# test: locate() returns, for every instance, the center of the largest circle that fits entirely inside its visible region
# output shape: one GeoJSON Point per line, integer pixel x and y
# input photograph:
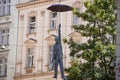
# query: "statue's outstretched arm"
{"type": "Point", "coordinates": [59, 33]}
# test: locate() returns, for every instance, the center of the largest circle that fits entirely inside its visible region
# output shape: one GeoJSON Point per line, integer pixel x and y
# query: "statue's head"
{"type": "Point", "coordinates": [56, 40]}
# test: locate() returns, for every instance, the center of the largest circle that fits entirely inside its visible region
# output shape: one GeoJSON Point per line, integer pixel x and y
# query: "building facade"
{"type": "Point", "coordinates": [36, 26]}
{"type": "Point", "coordinates": [8, 28]}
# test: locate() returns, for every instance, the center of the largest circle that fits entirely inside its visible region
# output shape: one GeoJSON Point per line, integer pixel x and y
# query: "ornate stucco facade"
{"type": "Point", "coordinates": [8, 38]}
{"type": "Point", "coordinates": [36, 26]}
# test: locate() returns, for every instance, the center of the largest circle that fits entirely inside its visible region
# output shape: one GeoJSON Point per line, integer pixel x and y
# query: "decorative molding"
{"type": "Point", "coordinates": [52, 30]}
{"type": "Point", "coordinates": [32, 13]}
{"type": "Point", "coordinates": [40, 59]}
{"type": "Point", "coordinates": [77, 4]}
{"type": "Point", "coordinates": [42, 13]}
{"type": "Point", "coordinates": [75, 36]}
{"type": "Point", "coordinates": [19, 63]}
{"type": "Point", "coordinates": [5, 24]}
{"type": "Point", "coordinates": [30, 40]}
{"type": "Point", "coordinates": [35, 3]}
{"type": "Point", "coordinates": [29, 70]}
{"type": "Point", "coordinates": [32, 34]}
{"type": "Point", "coordinates": [50, 39]}
{"type": "Point", "coordinates": [34, 75]}
{"type": "Point", "coordinates": [64, 56]}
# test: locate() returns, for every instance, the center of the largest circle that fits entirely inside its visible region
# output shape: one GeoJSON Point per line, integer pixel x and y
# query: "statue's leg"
{"type": "Point", "coordinates": [56, 68]}
{"type": "Point", "coordinates": [61, 68]}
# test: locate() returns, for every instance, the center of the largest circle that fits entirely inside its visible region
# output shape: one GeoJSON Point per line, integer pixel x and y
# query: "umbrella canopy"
{"type": "Point", "coordinates": [59, 8]}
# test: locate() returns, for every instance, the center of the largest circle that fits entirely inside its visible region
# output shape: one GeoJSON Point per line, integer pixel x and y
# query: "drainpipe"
{"type": "Point", "coordinates": [16, 40]}
{"type": "Point", "coordinates": [118, 42]}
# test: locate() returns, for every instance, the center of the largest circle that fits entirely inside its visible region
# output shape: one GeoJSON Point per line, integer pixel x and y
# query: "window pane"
{"type": "Point", "coordinates": [0, 10]}
{"type": "Point", "coordinates": [54, 15]}
{"type": "Point", "coordinates": [3, 31]}
{"type": "Point", "coordinates": [53, 21]}
{"type": "Point", "coordinates": [0, 2]}
{"type": "Point", "coordinates": [9, 1]}
{"type": "Point", "coordinates": [1, 61]}
{"type": "Point", "coordinates": [7, 39]}
{"type": "Point", "coordinates": [0, 70]}
{"type": "Point", "coordinates": [3, 37]}
{"type": "Point", "coordinates": [3, 67]}
{"type": "Point", "coordinates": [75, 20]}
{"type": "Point", "coordinates": [4, 1]}
{"type": "Point", "coordinates": [32, 25]}
{"type": "Point", "coordinates": [50, 53]}
{"type": "Point", "coordinates": [29, 61]}
{"type": "Point", "coordinates": [50, 56]}
{"type": "Point", "coordinates": [30, 58]}
{"type": "Point", "coordinates": [7, 30]}
{"type": "Point", "coordinates": [5, 70]}
{"type": "Point", "coordinates": [3, 10]}
{"type": "Point", "coordinates": [32, 19]}
{"type": "Point", "coordinates": [8, 9]}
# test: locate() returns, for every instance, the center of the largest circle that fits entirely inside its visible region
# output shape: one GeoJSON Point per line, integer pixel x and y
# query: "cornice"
{"type": "Point", "coordinates": [35, 3]}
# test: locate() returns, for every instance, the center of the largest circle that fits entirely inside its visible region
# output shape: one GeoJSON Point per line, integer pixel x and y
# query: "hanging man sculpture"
{"type": "Point", "coordinates": [58, 55]}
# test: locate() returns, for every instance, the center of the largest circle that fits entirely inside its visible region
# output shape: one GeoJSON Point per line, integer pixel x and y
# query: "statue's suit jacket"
{"type": "Point", "coordinates": [57, 52]}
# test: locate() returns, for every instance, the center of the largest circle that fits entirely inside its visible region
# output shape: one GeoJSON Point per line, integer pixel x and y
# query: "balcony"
{"type": "Point", "coordinates": [2, 77]}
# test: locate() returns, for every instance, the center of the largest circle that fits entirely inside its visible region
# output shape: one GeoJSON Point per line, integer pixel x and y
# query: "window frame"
{"type": "Point", "coordinates": [30, 56]}
{"type": "Point", "coordinates": [5, 7]}
{"type": "Point", "coordinates": [3, 67]}
{"type": "Point", "coordinates": [76, 19]}
{"type": "Point", "coordinates": [50, 55]}
{"type": "Point", "coordinates": [5, 36]}
{"type": "Point", "coordinates": [53, 20]}
{"type": "Point", "coordinates": [32, 24]}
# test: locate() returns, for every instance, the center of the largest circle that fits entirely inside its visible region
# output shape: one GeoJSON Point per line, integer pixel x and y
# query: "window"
{"type": "Point", "coordinates": [0, 10]}
{"type": "Point", "coordinates": [3, 67]}
{"type": "Point", "coordinates": [76, 18]}
{"type": "Point", "coordinates": [5, 7]}
{"type": "Point", "coordinates": [53, 21]}
{"type": "Point", "coordinates": [32, 25]}
{"type": "Point", "coordinates": [50, 55]}
{"type": "Point", "coordinates": [4, 1]}
{"type": "Point", "coordinates": [4, 37]}
{"type": "Point", "coordinates": [30, 57]}
{"type": "Point", "coordinates": [7, 36]}
{"type": "Point", "coordinates": [31, 0]}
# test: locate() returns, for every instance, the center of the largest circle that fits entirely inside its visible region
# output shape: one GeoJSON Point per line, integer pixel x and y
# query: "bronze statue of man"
{"type": "Point", "coordinates": [58, 55]}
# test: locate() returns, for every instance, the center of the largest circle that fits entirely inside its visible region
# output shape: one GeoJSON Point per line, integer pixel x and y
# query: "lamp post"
{"type": "Point", "coordinates": [118, 42]}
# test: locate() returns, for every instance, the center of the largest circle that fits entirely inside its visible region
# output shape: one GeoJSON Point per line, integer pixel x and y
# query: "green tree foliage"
{"type": "Point", "coordinates": [99, 50]}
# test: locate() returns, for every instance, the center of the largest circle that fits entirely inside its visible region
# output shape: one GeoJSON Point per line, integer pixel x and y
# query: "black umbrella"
{"type": "Point", "coordinates": [59, 8]}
